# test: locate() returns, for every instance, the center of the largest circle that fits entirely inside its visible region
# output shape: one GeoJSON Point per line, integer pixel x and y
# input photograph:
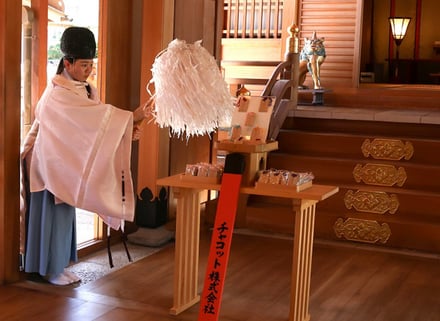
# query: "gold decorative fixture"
{"type": "Point", "coordinates": [371, 201]}
{"type": "Point", "coordinates": [365, 231]}
{"type": "Point", "coordinates": [379, 174]}
{"type": "Point", "coordinates": [388, 149]}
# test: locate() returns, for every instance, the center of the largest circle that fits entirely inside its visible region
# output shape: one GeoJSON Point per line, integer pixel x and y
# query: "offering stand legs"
{"type": "Point", "coordinates": [187, 254]}
{"type": "Point", "coordinates": [302, 259]}
{"type": "Point", "coordinates": [186, 269]}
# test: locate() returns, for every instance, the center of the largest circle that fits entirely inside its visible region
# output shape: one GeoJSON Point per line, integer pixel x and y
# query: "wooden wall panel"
{"type": "Point", "coordinates": [251, 49]}
{"type": "Point", "coordinates": [116, 53]}
{"type": "Point", "coordinates": [338, 22]}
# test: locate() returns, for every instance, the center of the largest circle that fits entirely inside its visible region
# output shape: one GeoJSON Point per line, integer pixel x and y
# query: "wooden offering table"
{"type": "Point", "coordinates": [188, 232]}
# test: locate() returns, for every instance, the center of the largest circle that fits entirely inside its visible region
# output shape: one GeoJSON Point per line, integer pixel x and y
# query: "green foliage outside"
{"type": "Point", "coordinates": [54, 52]}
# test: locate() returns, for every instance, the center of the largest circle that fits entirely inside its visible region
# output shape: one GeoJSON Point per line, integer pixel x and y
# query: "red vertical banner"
{"type": "Point", "coordinates": [390, 35]}
{"type": "Point", "coordinates": [220, 244]}
{"type": "Point", "coordinates": [417, 30]}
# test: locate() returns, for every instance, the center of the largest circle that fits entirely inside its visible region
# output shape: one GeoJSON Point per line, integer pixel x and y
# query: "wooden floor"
{"type": "Point", "coordinates": [349, 283]}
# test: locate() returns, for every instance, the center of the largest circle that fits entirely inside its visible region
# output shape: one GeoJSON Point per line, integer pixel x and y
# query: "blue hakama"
{"type": "Point", "coordinates": [51, 235]}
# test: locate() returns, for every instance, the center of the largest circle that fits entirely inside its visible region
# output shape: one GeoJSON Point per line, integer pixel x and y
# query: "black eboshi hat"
{"type": "Point", "coordinates": [78, 43]}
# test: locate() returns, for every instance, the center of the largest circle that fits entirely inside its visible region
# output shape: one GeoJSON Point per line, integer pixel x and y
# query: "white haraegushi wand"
{"type": "Point", "coordinates": [191, 96]}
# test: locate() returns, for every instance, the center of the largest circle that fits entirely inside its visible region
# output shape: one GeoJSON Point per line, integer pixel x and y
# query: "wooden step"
{"type": "Point", "coordinates": [364, 127]}
{"type": "Point", "coordinates": [341, 172]}
{"type": "Point", "coordinates": [358, 156]}
{"type": "Point", "coordinates": [318, 144]}
{"type": "Point", "coordinates": [413, 226]}
{"type": "Point", "coordinates": [382, 96]}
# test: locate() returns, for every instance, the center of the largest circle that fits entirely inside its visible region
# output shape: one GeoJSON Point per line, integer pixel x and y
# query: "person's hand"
{"type": "Point", "coordinates": [139, 114]}
{"type": "Point", "coordinates": [143, 111]}
{"type": "Point", "coordinates": [137, 131]}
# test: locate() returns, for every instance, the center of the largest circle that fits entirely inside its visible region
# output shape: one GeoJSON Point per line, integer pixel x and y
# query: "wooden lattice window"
{"type": "Point", "coordinates": [252, 18]}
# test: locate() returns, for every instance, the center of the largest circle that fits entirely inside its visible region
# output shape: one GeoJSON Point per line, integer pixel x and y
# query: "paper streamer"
{"type": "Point", "coordinates": [191, 96]}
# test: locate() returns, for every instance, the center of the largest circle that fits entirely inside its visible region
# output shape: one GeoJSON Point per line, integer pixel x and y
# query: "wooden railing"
{"type": "Point", "coordinates": [252, 18]}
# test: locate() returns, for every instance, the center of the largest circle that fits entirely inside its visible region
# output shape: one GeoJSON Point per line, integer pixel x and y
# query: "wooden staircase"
{"type": "Point", "coordinates": [388, 174]}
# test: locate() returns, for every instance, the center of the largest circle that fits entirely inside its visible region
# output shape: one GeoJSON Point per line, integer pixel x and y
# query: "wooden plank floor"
{"type": "Point", "coordinates": [348, 283]}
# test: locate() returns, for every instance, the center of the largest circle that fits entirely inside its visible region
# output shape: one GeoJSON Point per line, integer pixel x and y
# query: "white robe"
{"type": "Point", "coordinates": [81, 151]}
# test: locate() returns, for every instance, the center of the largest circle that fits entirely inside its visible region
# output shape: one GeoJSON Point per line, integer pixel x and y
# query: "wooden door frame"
{"type": "Point", "coordinates": [10, 79]}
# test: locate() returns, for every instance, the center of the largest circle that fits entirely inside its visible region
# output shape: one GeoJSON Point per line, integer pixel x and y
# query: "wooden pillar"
{"type": "Point", "coordinates": [39, 50]}
{"type": "Point", "coordinates": [10, 44]}
{"type": "Point", "coordinates": [157, 32]}
{"type": "Point", "coordinates": [290, 16]}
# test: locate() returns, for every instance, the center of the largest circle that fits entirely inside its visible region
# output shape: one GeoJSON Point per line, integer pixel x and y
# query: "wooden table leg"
{"type": "Point", "coordinates": [187, 238]}
{"type": "Point", "coordinates": [302, 259]}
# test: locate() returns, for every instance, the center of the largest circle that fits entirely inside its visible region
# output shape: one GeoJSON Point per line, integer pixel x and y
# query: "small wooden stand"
{"type": "Point", "coordinates": [318, 95]}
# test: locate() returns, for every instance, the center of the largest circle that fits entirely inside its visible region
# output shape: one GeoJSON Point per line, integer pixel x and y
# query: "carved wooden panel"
{"type": "Point", "coordinates": [379, 174]}
{"type": "Point", "coordinates": [365, 231]}
{"type": "Point", "coordinates": [371, 201]}
{"type": "Point", "coordinates": [388, 149]}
